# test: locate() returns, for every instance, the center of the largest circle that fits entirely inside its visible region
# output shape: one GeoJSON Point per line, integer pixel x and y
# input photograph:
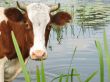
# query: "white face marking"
{"type": "Point", "coordinates": [2, 63]}
{"type": "Point", "coordinates": [2, 16]}
{"type": "Point", "coordinates": [38, 14]}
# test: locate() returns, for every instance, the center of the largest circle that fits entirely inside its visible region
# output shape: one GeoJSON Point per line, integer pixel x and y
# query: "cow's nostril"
{"type": "Point", "coordinates": [38, 55]}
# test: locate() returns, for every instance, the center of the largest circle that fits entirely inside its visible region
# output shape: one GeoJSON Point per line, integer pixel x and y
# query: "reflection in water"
{"type": "Point", "coordinates": [93, 15]}
{"type": "Point", "coordinates": [89, 15]}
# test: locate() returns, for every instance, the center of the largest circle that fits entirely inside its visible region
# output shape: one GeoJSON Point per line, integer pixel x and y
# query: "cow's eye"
{"type": "Point", "coordinates": [27, 26]}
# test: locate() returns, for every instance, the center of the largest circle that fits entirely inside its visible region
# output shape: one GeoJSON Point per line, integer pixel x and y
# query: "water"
{"type": "Point", "coordinates": [83, 36]}
{"type": "Point", "coordinates": [85, 60]}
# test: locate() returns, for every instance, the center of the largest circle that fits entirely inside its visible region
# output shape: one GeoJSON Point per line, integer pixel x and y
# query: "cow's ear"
{"type": "Point", "coordinates": [61, 18]}
{"type": "Point", "coordinates": [13, 14]}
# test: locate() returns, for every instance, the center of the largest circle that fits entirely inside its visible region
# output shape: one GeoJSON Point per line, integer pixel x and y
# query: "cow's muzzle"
{"type": "Point", "coordinates": [38, 55]}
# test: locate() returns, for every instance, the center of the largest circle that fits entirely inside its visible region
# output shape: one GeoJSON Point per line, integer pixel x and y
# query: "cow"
{"type": "Point", "coordinates": [31, 25]}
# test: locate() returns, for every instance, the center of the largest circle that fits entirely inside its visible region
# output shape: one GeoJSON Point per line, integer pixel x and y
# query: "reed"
{"type": "Point", "coordinates": [21, 61]}
{"type": "Point", "coordinates": [106, 54]}
{"type": "Point", "coordinates": [40, 76]}
{"type": "Point", "coordinates": [101, 61]}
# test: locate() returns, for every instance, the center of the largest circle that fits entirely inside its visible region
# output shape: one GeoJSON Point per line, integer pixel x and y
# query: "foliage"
{"type": "Point", "coordinates": [22, 63]}
{"type": "Point", "coordinates": [107, 56]}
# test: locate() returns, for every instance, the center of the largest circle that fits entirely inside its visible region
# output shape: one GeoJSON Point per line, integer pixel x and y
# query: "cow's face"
{"type": "Point", "coordinates": [40, 16]}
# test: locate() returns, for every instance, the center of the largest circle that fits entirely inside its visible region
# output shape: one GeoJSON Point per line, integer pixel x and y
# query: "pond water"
{"type": "Point", "coordinates": [86, 59]}
{"type": "Point", "coordinates": [81, 35]}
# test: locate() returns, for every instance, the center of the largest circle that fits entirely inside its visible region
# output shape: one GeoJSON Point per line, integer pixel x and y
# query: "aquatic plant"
{"type": "Point", "coordinates": [21, 61]}
{"type": "Point", "coordinates": [107, 56]}
{"type": "Point", "coordinates": [92, 15]}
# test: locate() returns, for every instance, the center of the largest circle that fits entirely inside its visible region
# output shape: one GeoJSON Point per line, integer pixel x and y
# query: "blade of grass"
{"type": "Point", "coordinates": [72, 59]}
{"type": "Point", "coordinates": [64, 76]}
{"type": "Point", "coordinates": [43, 72]}
{"type": "Point", "coordinates": [101, 62]}
{"type": "Point", "coordinates": [76, 72]}
{"type": "Point", "coordinates": [37, 74]}
{"type": "Point", "coordinates": [91, 76]}
{"type": "Point", "coordinates": [78, 77]}
{"type": "Point", "coordinates": [26, 74]}
{"type": "Point", "coordinates": [67, 78]}
{"type": "Point", "coordinates": [72, 72]}
{"type": "Point", "coordinates": [107, 54]}
{"type": "Point", "coordinates": [60, 78]}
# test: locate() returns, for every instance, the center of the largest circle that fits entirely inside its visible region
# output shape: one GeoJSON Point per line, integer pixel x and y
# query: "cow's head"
{"type": "Point", "coordinates": [41, 19]}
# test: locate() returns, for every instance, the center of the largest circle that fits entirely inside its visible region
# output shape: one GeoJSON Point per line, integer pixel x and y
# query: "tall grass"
{"type": "Point", "coordinates": [63, 76]}
{"type": "Point", "coordinates": [40, 77]}
{"type": "Point", "coordinates": [72, 72]}
{"type": "Point", "coordinates": [37, 74]}
{"type": "Point", "coordinates": [40, 74]}
{"type": "Point", "coordinates": [21, 61]}
{"type": "Point", "coordinates": [101, 61]}
{"type": "Point", "coordinates": [89, 78]}
{"type": "Point", "coordinates": [107, 56]}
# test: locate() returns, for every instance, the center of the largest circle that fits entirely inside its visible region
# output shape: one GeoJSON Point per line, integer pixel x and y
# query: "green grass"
{"type": "Point", "coordinates": [37, 74]}
{"type": "Point", "coordinates": [22, 63]}
{"type": "Point", "coordinates": [43, 72]}
{"type": "Point", "coordinates": [61, 78]}
{"type": "Point", "coordinates": [107, 54]}
{"type": "Point", "coordinates": [40, 73]}
{"type": "Point", "coordinates": [91, 76]}
{"type": "Point", "coordinates": [101, 61]}
{"type": "Point", "coordinates": [64, 76]}
{"type": "Point", "coordinates": [40, 76]}
{"type": "Point", "coordinates": [107, 57]}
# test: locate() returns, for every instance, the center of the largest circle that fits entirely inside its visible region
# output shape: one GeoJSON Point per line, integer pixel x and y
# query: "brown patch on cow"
{"type": "Point", "coordinates": [61, 18]}
{"type": "Point", "coordinates": [23, 35]}
{"type": "Point", "coordinates": [27, 22]}
{"type": "Point", "coordinates": [13, 14]}
{"type": "Point", "coordinates": [47, 33]}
